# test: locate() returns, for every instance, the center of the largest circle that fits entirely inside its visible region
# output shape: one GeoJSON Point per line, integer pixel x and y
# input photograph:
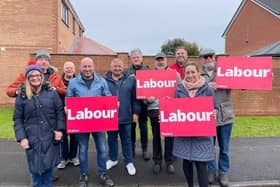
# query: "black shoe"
{"type": "Point", "coordinates": [83, 180]}
{"type": "Point", "coordinates": [212, 177]}
{"type": "Point", "coordinates": [145, 156]}
{"type": "Point", "coordinates": [156, 169]}
{"type": "Point", "coordinates": [55, 178]}
{"type": "Point", "coordinates": [105, 180]}
{"type": "Point", "coordinates": [223, 180]}
{"type": "Point", "coordinates": [170, 169]}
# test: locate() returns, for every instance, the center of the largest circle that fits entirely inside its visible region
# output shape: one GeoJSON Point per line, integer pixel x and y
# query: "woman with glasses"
{"type": "Point", "coordinates": [38, 124]}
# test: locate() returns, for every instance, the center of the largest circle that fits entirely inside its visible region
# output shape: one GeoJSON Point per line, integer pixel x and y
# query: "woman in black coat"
{"type": "Point", "coordinates": [38, 121]}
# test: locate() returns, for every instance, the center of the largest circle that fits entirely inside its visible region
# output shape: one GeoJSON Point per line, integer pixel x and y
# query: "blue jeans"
{"type": "Point", "coordinates": [68, 151]}
{"type": "Point", "coordinates": [223, 138]}
{"type": "Point", "coordinates": [100, 141]}
{"type": "Point", "coordinates": [42, 180]}
{"type": "Point", "coordinates": [124, 131]}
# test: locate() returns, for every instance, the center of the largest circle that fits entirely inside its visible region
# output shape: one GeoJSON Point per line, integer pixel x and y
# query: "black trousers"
{"type": "Point", "coordinates": [143, 131]}
{"type": "Point", "coordinates": [168, 141]}
{"type": "Point", "coordinates": [201, 168]}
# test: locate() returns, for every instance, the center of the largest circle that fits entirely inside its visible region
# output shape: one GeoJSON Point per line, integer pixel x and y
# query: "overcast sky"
{"type": "Point", "coordinates": [123, 25]}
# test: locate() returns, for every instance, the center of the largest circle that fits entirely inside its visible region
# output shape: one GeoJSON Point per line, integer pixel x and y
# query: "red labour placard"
{"type": "Point", "coordinates": [92, 114]}
{"type": "Point", "coordinates": [187, 117]}
{"type": "Point", "coordinates": [251, 73]}
{"type": "Point", "coordinates": [156, 83]}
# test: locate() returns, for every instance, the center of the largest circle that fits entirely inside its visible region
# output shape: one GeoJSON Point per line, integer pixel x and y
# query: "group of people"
{"type": "Point", "coordinates": [39, 118]}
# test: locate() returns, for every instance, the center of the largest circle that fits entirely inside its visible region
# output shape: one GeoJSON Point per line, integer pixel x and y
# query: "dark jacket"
{"type": "Point", "coordinates": [194, 148]}
{"type": "Point", "coordinates": [125, 89]}
{"type": "Point", "coordinates": [223, 96]}
{"type": "Point", "coordinates": [30, 122]}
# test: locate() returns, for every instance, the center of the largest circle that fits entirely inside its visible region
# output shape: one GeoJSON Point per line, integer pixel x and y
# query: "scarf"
{"type": "Point", "coordinates": [193, 87]}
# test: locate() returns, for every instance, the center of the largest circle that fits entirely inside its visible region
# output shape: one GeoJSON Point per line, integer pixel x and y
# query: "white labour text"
{"type": "Point", "coordinates": [156, 83]}
{"type": "Point", "coordinates": [180, 116]}
{"type": "Point", "coordinates": [91, 114]}
{"type": "Point", "coordinates": [237, 72]}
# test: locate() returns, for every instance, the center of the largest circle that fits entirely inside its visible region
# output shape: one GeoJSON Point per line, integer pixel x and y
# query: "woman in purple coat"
{"type": "Point", "coordinates": [194, 150]}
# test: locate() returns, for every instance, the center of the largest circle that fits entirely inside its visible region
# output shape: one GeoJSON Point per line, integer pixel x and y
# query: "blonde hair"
{"type": "Point", "coordinates": [28, 90]}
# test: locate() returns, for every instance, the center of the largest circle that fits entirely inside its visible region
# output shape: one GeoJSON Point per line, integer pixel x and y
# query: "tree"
{"type": "Point", "coordinates": [170, 46]}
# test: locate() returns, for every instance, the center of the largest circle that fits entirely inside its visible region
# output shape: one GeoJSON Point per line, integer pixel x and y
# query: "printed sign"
{"type": "Point", "coordinates": [156, 83]}
{"type": "Point", "coordinates": [187, 117]}
{"type": "Point", "coordinates": [92, 114]}
{"type": "Point", "coordinates": [252, 73]}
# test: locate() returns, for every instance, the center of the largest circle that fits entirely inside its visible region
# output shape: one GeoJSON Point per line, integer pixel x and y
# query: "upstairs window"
{"type": "Point", "coordinates": [74, 25]}
{"type": "Point", "coordinates": [64, 12]}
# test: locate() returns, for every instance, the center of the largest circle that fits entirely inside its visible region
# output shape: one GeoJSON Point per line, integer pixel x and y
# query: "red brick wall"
{"type": "Point", "coordinates": [253, 28]}
{"type": "Point", "coordinates": [245, 102]}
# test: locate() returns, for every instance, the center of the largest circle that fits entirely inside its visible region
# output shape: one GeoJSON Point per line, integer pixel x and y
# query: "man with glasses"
{"type": "Point", "coordinates": [224, 120]}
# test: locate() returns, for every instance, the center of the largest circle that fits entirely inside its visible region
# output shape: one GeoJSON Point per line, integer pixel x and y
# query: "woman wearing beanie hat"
{"type": "Point", "coordinates": [38, 124]}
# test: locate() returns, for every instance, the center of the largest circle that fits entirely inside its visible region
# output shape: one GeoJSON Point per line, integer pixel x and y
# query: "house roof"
{"type": "Point", "coordinates": [269, 50]}
{"type": "Point", "coordinates": [84, 45]}
{"type": "Point", "coordinates": [272, 6]}
{"type": "Point", "coordinates": [76, 15]}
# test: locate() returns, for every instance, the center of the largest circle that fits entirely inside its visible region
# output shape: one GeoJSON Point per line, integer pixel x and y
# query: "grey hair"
{"type": "Point", "coordinates": [136, 51]}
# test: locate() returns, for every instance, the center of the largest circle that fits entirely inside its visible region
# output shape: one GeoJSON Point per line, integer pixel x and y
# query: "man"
{"type": "Point", "coordinates": [153, 113]}
{"type": "Point", "coordinates": [181, 59]}
{"type": "Point", "coordinates": [68, 152]}
{"type": "Point", "coordinates": [137, 64]}
{"type": "Point", "coordinates": [123, 86]}
{"type": "Point", "coordinates": [224, 120]}
{"type": "Point", "coordinates": [89, 83]}
{"type": "Point", "coordinates": [43, 60]}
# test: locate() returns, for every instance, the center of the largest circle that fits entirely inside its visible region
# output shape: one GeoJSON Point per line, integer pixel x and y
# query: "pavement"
{"type": "Point", "coordinates": [255, 162]}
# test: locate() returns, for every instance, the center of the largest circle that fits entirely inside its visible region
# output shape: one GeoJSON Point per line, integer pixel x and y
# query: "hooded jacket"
{"type": "Point", "coordinates": [30, 122]}
{"type": "Point", "coordinates": [54, 78]}
{"type": "Point", "coordinates": [125, 89]}
{"type": "Point", "coordinates": [225, 113]}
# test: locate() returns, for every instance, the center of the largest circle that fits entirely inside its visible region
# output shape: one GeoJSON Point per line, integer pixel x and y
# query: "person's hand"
{"type": "Point", "coordinates": [135, 118]}
{"type": "Point", "coordinates": [215, 114]}
{"type": "Point", "coordinates": [65, 110]}
{"type": "Point", "coordinates": [58, 135]}
{"type": "Point", "coordinates": [151, 99]}
{"type": "Point", "coordinates": [213, 85]}
{"type": "Point", "coordinates": [20, 89]}
{"type": "Point", "coordinates": [24, 143]}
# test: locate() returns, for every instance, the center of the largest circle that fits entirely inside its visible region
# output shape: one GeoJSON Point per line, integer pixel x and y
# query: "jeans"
{"type": "Point", "coordinates": [42, 180]}
{"type": "Point", "coordinates": [168, 141]}
{"type": "Point", "coordinates": [69, 151]}
{"type": "Point", "coordinates": [143, 130]}
{"type": "Point", "coordinates": [223, 138]}
{"type": "Point", "coordinates": [124, 132]}
{"type": "Point", "coordinates": [201, 168]}
{"type": "Point", "coordinates": [100, 141]}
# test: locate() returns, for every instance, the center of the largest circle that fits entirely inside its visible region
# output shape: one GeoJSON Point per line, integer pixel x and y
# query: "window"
{"type": "Point", "coordinates": [74, 25]}
{"type": "Point", "coordinates": [64, 12]}
{"type": "Point", "coordinates": [80, 32]}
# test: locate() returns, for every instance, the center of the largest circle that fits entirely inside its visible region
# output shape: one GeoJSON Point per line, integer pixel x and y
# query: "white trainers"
{"type": "Point", "coordinates": [62, 164]}
{"type": "Point", "coordinates": [75, 161]}
{"type": "Point", "coordinates": [131, 169]}
{"type": "Point", "coordinates": [111, 163]}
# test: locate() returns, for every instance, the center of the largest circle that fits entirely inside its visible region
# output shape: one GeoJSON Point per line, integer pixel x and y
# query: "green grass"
{"type": "Point", "coordinates": [244, 126]}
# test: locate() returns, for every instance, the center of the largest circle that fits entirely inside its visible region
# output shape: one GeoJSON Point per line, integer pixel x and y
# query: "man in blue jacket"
{"type": "Point", "coordinates": [123, 86]}
{"type": "Point", "coordinates": [88, 83]}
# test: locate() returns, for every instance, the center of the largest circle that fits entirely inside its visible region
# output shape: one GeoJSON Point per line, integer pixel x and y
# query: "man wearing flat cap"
{"type": "Point", "coordinates": [224, 120]}
{"type": "Point", "coordinates": [153, 113]}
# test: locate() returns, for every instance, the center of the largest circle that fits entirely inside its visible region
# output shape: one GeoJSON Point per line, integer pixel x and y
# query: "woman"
{"type": "Point", "coordinates": [197, 150]}
{"type": "Point", "coordinates": [38, 121]}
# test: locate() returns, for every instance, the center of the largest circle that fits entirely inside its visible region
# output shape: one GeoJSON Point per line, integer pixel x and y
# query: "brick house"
{"type": "Point", "coordinates": [29, 25]}
{"type": "Point", "coordinates": [255, 24]}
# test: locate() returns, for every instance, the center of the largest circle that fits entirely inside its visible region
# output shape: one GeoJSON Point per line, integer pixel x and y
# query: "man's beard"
{"type": "Point", "coordinates": [210, 66]}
